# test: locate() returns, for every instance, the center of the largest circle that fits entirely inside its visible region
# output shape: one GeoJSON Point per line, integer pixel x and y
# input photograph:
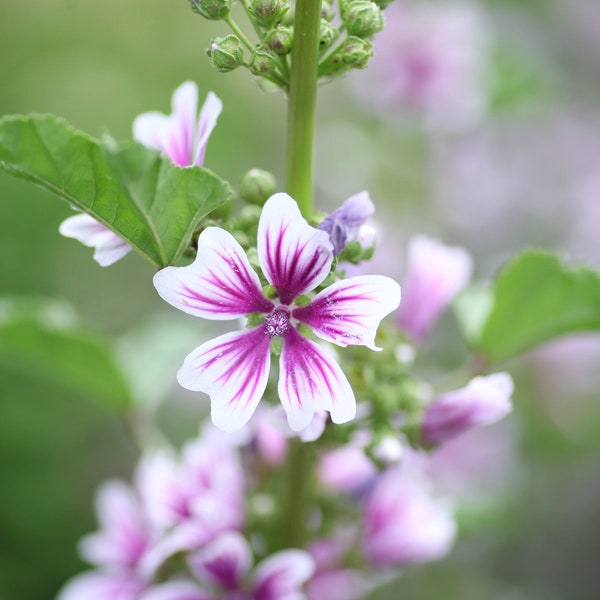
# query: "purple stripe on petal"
{"type": "Point", "coordinates": [220, 284]}
{"type": "Point", "coordinates": [309, 381]}
{"type": "Point", "coordinates": [348, 312]}
{"type": "Point", "coordinates": [233, 370]}
{"type": "Point", "coordinates": [294, 256]}
{"type": "Point", "coordinates": [224, 562]}
{"type": "Point", "coordinates": [179, 137]}
{"type": "Point", "coordinates": [282, 575]}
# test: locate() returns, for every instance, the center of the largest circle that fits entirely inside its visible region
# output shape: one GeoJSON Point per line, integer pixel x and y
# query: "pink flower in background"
{"type": "Point", "coordinates": [403, 524]}
{"type": "Point", "coordinates": [435, 273]}
{"type": "Point", "coordinates": [181, 136]}
{"type": "Point", "coordinates": [103, 586]}
{"type": "Point", "coordinates": [431, 59]}
{"type": "Point", "coordinates": [344, 224]}
{"type": "Point", "coordinates": [221, 285]}
{"type": "Point", "coordinates": [483, 401]}
{"type": "Point", "coordinates": [346, 469]}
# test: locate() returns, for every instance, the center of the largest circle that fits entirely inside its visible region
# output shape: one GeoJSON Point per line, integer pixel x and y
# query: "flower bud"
{"type": "Point", "coordinates": [215, 10]}
{"type": "Point", "coordinates": [327, 11]}
{"type": "Point", "coordinates": [226, 53]}
{"type": "Point", "coordinates": [262, 63]}
{"type": "Point", "coordinates": [363, 18]}
{"type": "Point", "coordinates": [328, 34]}
{"type": "Point", "coordinates": [356, 52]}
{"type": "Point", "coordinates": [435, 274]}
{"type": "Point", "coordinates": [483, 401]}
{"type": "Point", "coordinates": [280, 39]}
{"type": "Point", "coordinates": [257, 186]}
{"type": "Point", "coordinates": [267, 12]}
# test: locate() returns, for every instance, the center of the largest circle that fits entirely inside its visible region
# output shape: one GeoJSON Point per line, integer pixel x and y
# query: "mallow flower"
{"type": "Point", "coordinates": [295, 258]}
{"type": "Point", "coordinates": [181, 136]}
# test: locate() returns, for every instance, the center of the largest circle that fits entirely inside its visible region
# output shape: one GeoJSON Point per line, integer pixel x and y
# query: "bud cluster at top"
{"type": "Point", "coordinates": [344, 37]}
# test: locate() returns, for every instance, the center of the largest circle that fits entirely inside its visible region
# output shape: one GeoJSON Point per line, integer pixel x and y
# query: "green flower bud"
{"type": "Point", "coordinates": [267, 12]}
{"type": "Point", "coordinates": [326, 11]}
{"type": "Point", "coordinates": [363, 18]}
{"type": "Point", "coordinates": [280, 39]}
{"type": "Point", "coordinates": [226, 53]}
{"type": "Point", "coordinates": [215, 10]}
{"type": "Point", "coordinates": [328, 35]}
{"type": "Point", "coordinates": [262, 63]}
{"type": "Point", "coordinates": [257, 186]}
{"type": "Point", "coordinates": [356, 52]}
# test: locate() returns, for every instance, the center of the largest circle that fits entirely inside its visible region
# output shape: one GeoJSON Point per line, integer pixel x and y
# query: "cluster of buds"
{"type": "Point", "coordinates": [343, 46]}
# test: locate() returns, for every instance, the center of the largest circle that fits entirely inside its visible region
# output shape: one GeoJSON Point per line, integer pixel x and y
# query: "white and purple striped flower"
{"type": "Point", "coordinates": [295, 258]}
{"type": "Point", "coordinates": [181, 136]}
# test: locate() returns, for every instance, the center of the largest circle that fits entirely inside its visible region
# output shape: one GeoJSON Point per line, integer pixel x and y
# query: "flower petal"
{"type": "Point", "coordinates": [310, 381]}
{"type": "Point", "coordinates": [294, 256]}
{"type": "Point", "coordinates": [349, 311]}
{"type": "Point", "coordinates": [224, 562]}
{"type": "Point", "coordinates": [177, 590]}
{"type": "Point", "coordinates": [149, 129]}
{"type": "Point", "coordinates": [109, 246]}
{"type": "Point", "coordinates": [95, 585]}
{"type": "Point", "coordinates": [233, 370]}
{"type": "Point", "coordinates": [209, 114]}
{"type": "Point", "coordinates": [281, 576]}
{"type": "Point", "coordinates": [220, 284]}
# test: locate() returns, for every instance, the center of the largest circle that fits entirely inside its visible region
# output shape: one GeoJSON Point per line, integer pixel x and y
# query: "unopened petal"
{"type": "Point", "coordinates": [435, 274]}
{"type": "Point", "coordinates": [233, 370]}
{"type": "Point", "coordinates": [208, 119]}
{"type": "Point", "coordinates": [349, 311]}
{"type": "Point", "coordinates": [294, 256]}
{"type": "Point", "coordinates": [309, 381]}
{"type": "Point", "coordinates": [220, 283]}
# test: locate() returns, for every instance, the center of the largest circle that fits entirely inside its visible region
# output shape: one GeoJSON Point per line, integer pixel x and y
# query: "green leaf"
{"type": "Point", "coordinates": [43, 339]}
{"type": "Point", "coordinates": [537, 298]}
{"type": "Point", "coordinates": [472, 308]}
{"type": "Point", "coordinates": [144, 198]}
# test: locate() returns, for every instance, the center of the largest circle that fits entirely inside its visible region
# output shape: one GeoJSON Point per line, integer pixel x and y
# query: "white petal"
{"type": "Point", "coordinates": [233, 370]}
{"type": "Point", "coordinates": [310, 381]}
{"type": "Point", "coordinates": [220, 284]}
{"type": "Point", "coordinates": [179, 137]}
{"type": "Point", "coordinates": [349, 311]}
{"type": "Point", "coordinates": [208, 119]}
{"type": "Point", "coordinates": [294, 256]}
{"type": "Point", "coordinates": [149, 129]}
{"type": "Point", "coordinates": [281, 576]}
{"type": "Point", "coordinates": [109, 246]}
{"type": "Point", "coordinates": [102, 586]}
{"type": "Point", "coordinates": [177, 590]}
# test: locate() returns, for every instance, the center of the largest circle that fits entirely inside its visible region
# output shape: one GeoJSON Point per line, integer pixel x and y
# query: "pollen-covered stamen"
{"type": "Point", "coordinates": [278, 322]}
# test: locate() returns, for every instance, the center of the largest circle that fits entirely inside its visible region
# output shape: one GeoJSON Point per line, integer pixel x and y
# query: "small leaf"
{"type": "Point", "coordinates": [141, 196]}
{"type": "Point", "coordinates": [43, 339]}
{"type": "Point", "coordinates": [537, 298]}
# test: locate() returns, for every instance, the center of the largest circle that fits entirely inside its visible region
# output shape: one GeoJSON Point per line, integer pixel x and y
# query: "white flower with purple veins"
{"type": "Point", "coordinates": [181, 136]}
{"type": "Point", "coordinates": [295, 258]}
{"type": "Point", "coordinates": [344, 224]}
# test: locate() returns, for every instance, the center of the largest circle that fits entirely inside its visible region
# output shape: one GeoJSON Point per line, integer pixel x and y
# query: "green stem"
{"type": "Point", "coordinates": [236, 29]}
{"type": "Point", "coordinates": [302, 103]}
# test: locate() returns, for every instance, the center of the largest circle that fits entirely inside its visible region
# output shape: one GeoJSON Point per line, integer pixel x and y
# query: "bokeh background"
{"type": "Point", "coordinates": [525, 171]}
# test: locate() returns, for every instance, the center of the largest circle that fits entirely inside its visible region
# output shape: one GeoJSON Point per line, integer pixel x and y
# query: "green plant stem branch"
{"type": "Point", "coordinates": [236, 29]}
{"type": "Point", "coordinates": [302, 103]}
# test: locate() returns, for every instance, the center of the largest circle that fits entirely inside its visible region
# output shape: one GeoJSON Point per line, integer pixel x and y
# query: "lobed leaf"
{"type": "Point", "coordinates": [137, 193]}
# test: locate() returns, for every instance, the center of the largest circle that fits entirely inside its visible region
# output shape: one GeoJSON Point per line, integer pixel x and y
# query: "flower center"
{"type": "Point", "coordinates": [278, 322]}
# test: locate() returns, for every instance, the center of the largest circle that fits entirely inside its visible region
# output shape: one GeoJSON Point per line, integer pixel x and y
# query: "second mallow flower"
{"type": "Point", "coordinates": [295, 258]}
